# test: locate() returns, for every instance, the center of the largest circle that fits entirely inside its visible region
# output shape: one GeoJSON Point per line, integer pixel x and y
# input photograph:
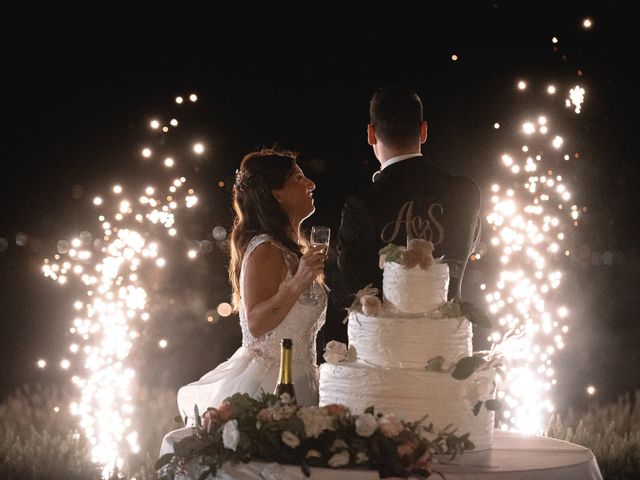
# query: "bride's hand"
{"type": "Point", "coordinates": [310, 266]}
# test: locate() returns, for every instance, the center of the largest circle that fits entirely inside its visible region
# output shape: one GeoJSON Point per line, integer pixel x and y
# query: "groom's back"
{"type": "Point", "coordinates": [417, 196]}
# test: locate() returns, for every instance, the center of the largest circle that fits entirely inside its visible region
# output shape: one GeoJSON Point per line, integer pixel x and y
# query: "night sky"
{"type": "Point", "coordinates": [77, 122]}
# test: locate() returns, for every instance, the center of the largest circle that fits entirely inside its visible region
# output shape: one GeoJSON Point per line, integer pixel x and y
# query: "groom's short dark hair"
{"type": "Point", "coordinates": [396, 114]}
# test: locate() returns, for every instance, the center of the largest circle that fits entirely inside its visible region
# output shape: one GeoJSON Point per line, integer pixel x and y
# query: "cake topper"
{"type": "Point", "coordinates": [426, 228]}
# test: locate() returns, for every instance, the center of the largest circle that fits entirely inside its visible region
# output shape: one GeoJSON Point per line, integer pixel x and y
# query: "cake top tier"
{"type": "Point", "coordinates": [413, 281]}
{"type": "Point", "coordinates": [414, 290]}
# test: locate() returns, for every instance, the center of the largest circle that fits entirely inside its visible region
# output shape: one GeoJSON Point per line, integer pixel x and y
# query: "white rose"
{"type": "Point", "coordinates": [316, 420]}
{"type": "Point", "coordinates": [285, 398]}
{"type": "Point", "coordinates": [230, 435]}
{"type": "Point", "coordinates": [366, 425]}
{"type": "Point", "coordinates": [362, 457]}
{"type": "Point", "coordinates": [339, 459]}
{"type": "Point", "coordinates": [290, 439]}
{"type": "Point", "coordinates": [313, 454]}
{"type": "Point", "coordinates": [335, 352]}
{"type": "Point", "coordinates": [390, 425]}
{"type": "Point", "coordinates": [339, 444]}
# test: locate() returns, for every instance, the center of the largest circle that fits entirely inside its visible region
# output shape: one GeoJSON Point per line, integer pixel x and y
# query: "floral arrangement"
{"type": "Point", "coordinates": [419, 252]}
{"type": "Point", "coordinates": [278, 430]}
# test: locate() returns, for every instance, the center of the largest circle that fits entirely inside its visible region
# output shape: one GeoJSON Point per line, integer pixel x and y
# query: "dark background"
{"type": "Point", "coordinates": [78, 102]}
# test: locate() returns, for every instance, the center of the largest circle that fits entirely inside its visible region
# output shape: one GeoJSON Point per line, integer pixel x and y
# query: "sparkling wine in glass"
{"type": "Point", "coordinates": [320, 236]}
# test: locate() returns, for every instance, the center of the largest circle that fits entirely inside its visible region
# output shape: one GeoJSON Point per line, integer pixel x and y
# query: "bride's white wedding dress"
{"type": "Point", "coordinates": [255, 365]}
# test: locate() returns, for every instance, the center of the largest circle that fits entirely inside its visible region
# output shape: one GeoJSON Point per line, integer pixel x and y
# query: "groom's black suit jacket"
{"type": "Point", "coordinates": [445, 209]}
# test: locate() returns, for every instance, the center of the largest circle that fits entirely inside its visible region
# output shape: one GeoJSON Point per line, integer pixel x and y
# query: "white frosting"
{"type": "Point", "coordinates": [411, 394]}
{"type": "Point", "coordinates": [392, 349]}
{"type": "Point", "coordinates": [414, 290]}
{"type": "Point", "coordinates": [388, 341]}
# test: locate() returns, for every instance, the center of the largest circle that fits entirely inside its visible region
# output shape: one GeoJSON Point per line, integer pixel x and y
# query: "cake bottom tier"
{"type": "Point", "coordinates": [412, 394]}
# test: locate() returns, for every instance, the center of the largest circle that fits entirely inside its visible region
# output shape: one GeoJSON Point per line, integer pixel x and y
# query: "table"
{"type": "Point", "coordinates": [513, 457]}
{"type": "Point", "coordinates": [523, 457]}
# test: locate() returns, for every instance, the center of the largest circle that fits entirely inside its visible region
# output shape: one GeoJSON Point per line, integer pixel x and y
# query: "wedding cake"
{"type": "Point", "coordinates": [403, 352]}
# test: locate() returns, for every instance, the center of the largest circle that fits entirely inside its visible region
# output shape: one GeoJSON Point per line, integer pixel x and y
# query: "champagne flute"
{"type": "Point", "coordinates": [320, 236]}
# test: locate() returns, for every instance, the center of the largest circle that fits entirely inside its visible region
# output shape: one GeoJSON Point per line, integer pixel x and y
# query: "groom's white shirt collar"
{"type": "Point", "coordinates": [391, 161]}
{"type": "Point", "coordinates": [399, 158]}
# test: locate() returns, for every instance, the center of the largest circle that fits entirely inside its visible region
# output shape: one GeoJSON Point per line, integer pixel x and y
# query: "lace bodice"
{"type": "Point", "coordinates": [301, 324]}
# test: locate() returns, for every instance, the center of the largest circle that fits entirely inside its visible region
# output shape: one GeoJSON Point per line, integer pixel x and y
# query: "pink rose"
{"type": "Point", "coordinates": [335, 409]}
{"type": "Point", "coordinates": [370, 305]}
{"type": "Point", "coordinates": [265, 415]}
{"type": "Point", "coordinates": [407, 448]}
{"type": "Point", "coordinates": [390, 425]}
{"type": "Point", "coordinates": [424, 462]}
{"type": "Point", "coordinates": [214, 417]}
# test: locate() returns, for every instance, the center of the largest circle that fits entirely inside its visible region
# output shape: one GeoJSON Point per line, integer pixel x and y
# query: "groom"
{"type": "Point", "coordinates": [407, 193]}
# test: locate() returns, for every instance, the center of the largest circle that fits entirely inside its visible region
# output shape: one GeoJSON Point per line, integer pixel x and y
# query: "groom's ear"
{"type": "Point", "coordinates": [371, 135]}
{"type": "Point", "coordinates": [423, 132]}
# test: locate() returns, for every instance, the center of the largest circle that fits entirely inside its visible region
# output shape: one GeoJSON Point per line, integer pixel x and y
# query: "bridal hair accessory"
{"type": "Point", "coordinates": [242, 180]}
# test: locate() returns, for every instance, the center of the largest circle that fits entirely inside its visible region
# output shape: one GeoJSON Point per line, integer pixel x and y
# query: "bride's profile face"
{"type": "Point", "coordinates": [296, 197]}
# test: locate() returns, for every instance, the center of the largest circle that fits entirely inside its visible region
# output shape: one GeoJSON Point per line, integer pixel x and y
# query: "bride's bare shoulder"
{"type": "Point", "coordinates": [266, 260]}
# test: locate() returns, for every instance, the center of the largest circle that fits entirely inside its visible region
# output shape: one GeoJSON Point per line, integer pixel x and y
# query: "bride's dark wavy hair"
{"type": "Point", "coordinates": [256, 209]}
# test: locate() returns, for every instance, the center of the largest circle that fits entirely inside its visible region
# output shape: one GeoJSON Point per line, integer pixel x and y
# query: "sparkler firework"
{"type": "Point", "coordinates": [113, 307]}
{"type": "Point", "coordinates": [529, 216]}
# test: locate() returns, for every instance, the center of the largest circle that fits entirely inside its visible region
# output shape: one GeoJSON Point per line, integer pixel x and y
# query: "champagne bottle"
{"type": "Point", "coordinates": [285, 379]}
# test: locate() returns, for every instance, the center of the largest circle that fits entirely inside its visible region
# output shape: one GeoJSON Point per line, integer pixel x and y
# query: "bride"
{"type": "Point", "coordinates": [271, 266]}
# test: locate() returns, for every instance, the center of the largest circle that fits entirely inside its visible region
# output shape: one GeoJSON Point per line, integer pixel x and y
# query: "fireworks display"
{"type": "Point", "coordinates": [530, 215]}
{"type": "Point", "coordinates": [111, 312]}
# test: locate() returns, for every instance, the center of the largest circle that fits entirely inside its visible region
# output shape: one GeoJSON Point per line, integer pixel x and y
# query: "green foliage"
{"type": "Point", "coordinates": [611, 432]}
{"type": "Point", "coordinates": [466, 366]}
{"type": "Point", "coordinates": [391, 253]}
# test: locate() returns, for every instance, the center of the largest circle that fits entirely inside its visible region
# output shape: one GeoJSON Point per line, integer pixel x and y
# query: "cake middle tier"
{"type": "Point", "coordinates": [392, 341]}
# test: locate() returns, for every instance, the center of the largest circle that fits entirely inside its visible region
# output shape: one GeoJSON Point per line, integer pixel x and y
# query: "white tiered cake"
{"type": "Point", "coordinates": [393, 348]}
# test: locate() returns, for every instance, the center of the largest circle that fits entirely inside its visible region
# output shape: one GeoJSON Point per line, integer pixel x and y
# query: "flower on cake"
{"type": "Point", "coordinates": [278, 430]}
{"type": "Point", "coordinates": [418, 252]}
{"type": "Point", "coordinates": [370, 305]}
{"type": "Point", "coordinates": [366, 299]}
{"type": "Point", "coordinates": [335, 352]}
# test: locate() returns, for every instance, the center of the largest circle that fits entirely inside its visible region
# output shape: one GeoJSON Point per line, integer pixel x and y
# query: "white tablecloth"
{"type": "Point", "coordinates": [513, 457]}
{"type": "Point", "coordinates": [522, 457]}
